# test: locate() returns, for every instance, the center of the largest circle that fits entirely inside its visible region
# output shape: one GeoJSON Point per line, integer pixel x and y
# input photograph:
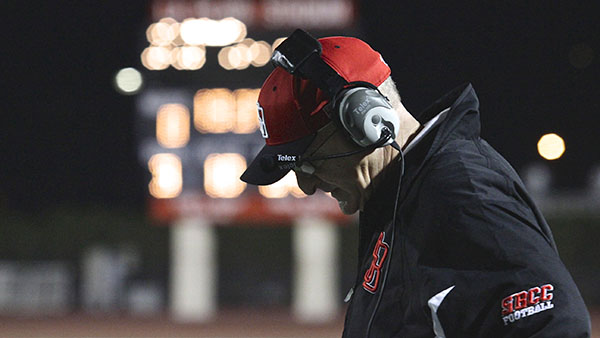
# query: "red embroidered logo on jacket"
{"type": "Point", "coordinates": [526, 303]}
{"type": "Point", "coordinates": [371, 280]}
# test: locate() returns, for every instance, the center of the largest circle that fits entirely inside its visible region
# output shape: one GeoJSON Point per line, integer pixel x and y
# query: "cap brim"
{"type": "Point", "coordinates": [260, 174]}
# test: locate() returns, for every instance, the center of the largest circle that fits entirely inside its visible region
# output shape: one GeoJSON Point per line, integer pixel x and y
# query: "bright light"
{"type": "Point", "coordinates": [173, 125]}
{"type": "Point", "coordinates": [246, 121]}
{"type": "Point", "coordinates": [166, 176]}
{"type": "Point", "coordinates": [222, 175]}
{"type": "Point", "coordinates": [156, 58]}
{"type": "Point", "coordinates": [221, 111]}
{"type": "Point", "coordinates": [128, 81]}
{"type": "Point", "coordinates": [214, 110]}
{"type": "Point", "coordinates": [245, 53]}
{"type": "Point", "coordinates": [223, 58]}
{"type": "Point", "coordinates": [247, 41]}
{"type": "Point", "coordinates": [261, 53]}
{"type": "Point", "coordinates": [193, 30]}
{"type": "Point", "coordinates": [182, 45]}
{"type": "Point", "coordinates": [239, 56]}
{"type": "Point", "coordinates": [551, 146]}
{"type": "Point", "coordinates": [163, 32]}
{"type": "Point", "coordinates": [280, 189]}
{"type": "Point", "coordinates": [188, 57]}
{"type": "Point", "coordinates": [209, 32]}
{"type": "Point", "coordinates": [276, 43]}
{"type": "Point", "coordinates": [192, 57]}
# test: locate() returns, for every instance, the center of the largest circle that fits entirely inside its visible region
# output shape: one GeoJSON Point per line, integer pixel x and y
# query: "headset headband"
{"type": "Point", "coordinates": [300, 54]}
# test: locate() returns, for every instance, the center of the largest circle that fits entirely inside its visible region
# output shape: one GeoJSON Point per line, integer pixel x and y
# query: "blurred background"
{"type": "Point", "coordinates": [125, 125]}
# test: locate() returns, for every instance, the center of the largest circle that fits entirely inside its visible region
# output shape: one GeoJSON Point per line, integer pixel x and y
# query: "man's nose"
{"type": "Point", "coordinates": [307, 183]}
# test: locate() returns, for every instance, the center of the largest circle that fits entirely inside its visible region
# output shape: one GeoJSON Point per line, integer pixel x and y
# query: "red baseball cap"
{"type": "Point", "coordinates": [290, 109]}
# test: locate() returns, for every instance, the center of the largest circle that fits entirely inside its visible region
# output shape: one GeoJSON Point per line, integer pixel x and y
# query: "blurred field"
{"type": "Point", "coordinates": [230, 323]}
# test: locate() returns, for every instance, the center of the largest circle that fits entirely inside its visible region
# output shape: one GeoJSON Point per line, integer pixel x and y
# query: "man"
{"type": "Point", "coordinates": [450, 243]}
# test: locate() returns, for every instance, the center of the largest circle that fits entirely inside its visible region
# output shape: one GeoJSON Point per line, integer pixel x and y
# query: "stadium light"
{"type": "Point", "coordinates": [167, 179]}
{"type": "Point", "coordinates": [173, 125]}
{"type": "Point", "coordinates": [128, 81]}
{"type": "Point", "coordinates": [222, 175]}
{"type": "Point", "coordinates": [551, 146]}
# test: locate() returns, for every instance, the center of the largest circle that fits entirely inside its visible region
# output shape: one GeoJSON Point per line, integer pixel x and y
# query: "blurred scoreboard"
{"type": "Point", "coordinates": [197, 122]}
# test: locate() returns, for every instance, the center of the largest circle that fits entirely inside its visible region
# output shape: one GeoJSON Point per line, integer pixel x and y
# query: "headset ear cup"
{"type": "Point", "coordinates": [364, 113]}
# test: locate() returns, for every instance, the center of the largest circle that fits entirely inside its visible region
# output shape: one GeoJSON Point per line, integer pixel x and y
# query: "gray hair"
{"type": "Point", "coordinates": [388, 88]}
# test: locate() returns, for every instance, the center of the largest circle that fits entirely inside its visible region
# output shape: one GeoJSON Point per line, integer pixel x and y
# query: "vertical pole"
{"type": "Point", "coordinates": [193, 284]}
{"type": "Point", "coordinates": [315, 294]}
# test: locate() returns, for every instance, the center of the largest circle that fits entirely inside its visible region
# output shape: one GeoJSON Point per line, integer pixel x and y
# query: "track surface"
{"type": "Point", "coordinates": [229, 323]}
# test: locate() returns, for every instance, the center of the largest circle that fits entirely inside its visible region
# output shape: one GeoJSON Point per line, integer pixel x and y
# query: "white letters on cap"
{"type": "Point", "coordinates": [261, 121]}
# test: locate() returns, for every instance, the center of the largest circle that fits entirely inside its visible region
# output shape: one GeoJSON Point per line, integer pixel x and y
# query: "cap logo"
{"type": "Point", "coordinates": [286, 158]}
{"type": "Point", "coordinates": [261, 121]}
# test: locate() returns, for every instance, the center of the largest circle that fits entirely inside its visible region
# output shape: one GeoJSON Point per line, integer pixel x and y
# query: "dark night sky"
{"type": "Point", "coordinates": [517, 55]}
{"type": "Point", "coordinates": [66, 134]}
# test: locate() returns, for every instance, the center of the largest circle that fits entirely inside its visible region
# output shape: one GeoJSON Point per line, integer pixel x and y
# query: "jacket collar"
{"type": "Point", "coordinates": [462, 121]}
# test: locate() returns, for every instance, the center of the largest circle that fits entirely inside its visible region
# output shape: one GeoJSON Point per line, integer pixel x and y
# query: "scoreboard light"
{"type": "Point", "coordinates": [167, 179]}
{"type": "Point", "coordinates": [156, 58]}
{"type": "Point", "coordinates": [248, 52]}
{"type": "Point", "coordinates": [162, 33]}
{"type": "Point", "coordinates": [209, 32]}
{"type": "Point", "coordinates": [188, 57]}
{"type": "Point", "coordinates": [246, 121]}
{"type": "Point", "coordinates": [173, 125]}
{"type": "Point", "coordinates": [223, 58]}
{"type": "Point", "coordinates": [261, 53]}
{"type": "Point", "coordinates": [182, 45]}
{"type": "Point", "coordinates": [240, 56]}
{"type": "Point", "coordinates": [222, 175]}
{"type": "Point", "coordinates": [282, 188]}
{"type": "Point", "coordinates": [221, 111]}
{"type": "Point", "coordinates": [214, 110]}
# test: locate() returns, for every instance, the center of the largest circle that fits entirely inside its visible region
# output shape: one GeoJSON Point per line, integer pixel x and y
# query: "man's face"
{"type": "Point", "coordinates": [343, 177]}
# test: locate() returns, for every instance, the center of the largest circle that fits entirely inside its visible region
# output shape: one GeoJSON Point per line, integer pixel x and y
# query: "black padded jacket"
{"type": "Point", "coordinates": [467, 253]}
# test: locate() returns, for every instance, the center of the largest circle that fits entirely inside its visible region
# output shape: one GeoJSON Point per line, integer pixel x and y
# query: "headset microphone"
{"type": "Point", "coordinates": [285, 161]}
{"type": "Point", "coordinates": [386, 136]}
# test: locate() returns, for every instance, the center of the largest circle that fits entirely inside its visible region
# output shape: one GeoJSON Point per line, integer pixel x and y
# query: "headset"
{"type": "Point", "coordinates": [357, 107]}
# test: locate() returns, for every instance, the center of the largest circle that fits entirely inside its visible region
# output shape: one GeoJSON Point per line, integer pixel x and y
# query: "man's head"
{"type": "Point", "coordinates": [294, 123]}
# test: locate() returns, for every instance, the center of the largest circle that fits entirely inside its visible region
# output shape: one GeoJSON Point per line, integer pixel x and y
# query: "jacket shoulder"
{"type": "Point", "coordinates": [471, 169]}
